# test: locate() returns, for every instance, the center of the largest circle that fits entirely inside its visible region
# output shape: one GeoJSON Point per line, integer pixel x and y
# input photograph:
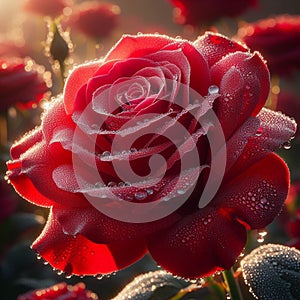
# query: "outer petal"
{"type": "Point", "coordinates": [76, 79]}
{"type": "Point", "coordinates": [31, 175]}
{"type": "Point", "coordinates": [214, 46]}
{"type": "Point", "coordinates": [99, 228]}
{"type": "Point", "coordinates": [137, 46]}
{"type": "Point", "coordinates": [78, 255]}
{"type": "Point", "coordinates": [199, 245]}
{"type": "Point", "coordinates": [244, 83]}
{"type": "Point", "coordinates": [275, 130]}
{"type": "Point", "coordinates": [256, 196]}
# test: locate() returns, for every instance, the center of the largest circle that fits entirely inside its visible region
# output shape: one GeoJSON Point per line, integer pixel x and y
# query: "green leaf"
{"type": "Point", "coordinates": [155, 285]}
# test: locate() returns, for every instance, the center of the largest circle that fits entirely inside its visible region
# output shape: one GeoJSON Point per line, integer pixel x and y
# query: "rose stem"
{"type": "Point", "coordinates": [232, 285]}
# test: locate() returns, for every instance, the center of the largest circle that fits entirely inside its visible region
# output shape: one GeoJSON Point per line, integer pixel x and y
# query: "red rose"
{"type": "Point", "coordinates": [51, 8]}
{"type": "Point", "coordinates": [21, 83]}
{"type": "Point", "coordinates": [278, 40]}
{"type": "Point", "coordinates": [201, 11]}
{"type": "Point", "coordinates": [123, 157]}
{"type": "Point", "coordinates": [60, 291]}
{"type": "Point", "coordinates": [94, 19]}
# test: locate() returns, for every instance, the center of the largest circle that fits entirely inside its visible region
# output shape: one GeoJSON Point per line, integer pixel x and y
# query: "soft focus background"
{"type": "Point", "coordinates": [24, 33]}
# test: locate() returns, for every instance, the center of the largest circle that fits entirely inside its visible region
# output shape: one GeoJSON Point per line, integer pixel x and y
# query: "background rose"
{"type": "Point", "coordinates": [278, 40]}
{"type": "Point", "coordinates": [128, 85]}
{"type": "Point", "coordinates": [201, 12]}
{"type": "Point", "coordinates": [60, 291]}
{"type": "Point", "coordinates": [21, 83]}
{"type": "Point", "coordinates": [47, 8]}
{"type": "Point", "coordinates": [95, 20]}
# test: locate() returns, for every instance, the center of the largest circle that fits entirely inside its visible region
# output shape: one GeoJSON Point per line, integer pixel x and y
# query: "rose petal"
{"type": "Point", "coordinates": [252, 92]}
{"type": "Point", "coordinates": [215, 46]}
{"type": "Point", "coordinates": [199, 245]}
{"type": "Point", "coordinates": [101, 229]}
{"type": "Point", "coordinates": [275, 130]}
{"type": "Point", "coordinates": [78, 255]}
{"type": "Point", "coordinates": [31, 175]}
{"type": "Point", "coordinates": [256, 196]}
{"type": "Point", "coordinates": [26, 142]}
{"type": "Point", "coordinates": [137, 46]}
{"type": "Point", "coordinates": [76, 79]}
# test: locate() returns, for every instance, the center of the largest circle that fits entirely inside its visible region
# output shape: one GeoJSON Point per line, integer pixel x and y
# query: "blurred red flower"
{"type": "Point", "coordinates": [61, 291]}
{"type": "Point", "coordinates": [201, 12]}
{"type": "Point", "coordinates": [146, 87]}
{"type": "Point", "coordinates": [293, 229]}
{"type": "Point", "coordinates": [22, 82]}
{"type": "Point", "coordinates": [94, 19]}
{"type": "Point", "coordinates": [278, 40]}
{"type": "Point", "coordinates": [289, 104]}
{"type": "Point", "coordinates": [51, 8]}
{"type": "Point", "coordinates": [7, 202]}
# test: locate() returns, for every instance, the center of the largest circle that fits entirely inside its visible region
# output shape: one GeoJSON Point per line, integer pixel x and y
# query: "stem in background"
{"type": "Point", "coordinates": [232, 286]}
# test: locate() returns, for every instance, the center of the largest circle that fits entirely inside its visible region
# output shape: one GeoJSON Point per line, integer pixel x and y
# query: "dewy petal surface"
{"type": "Point", "coordinates": [78, 255]}
{"type": "Point", "coordinates": [198, 245]}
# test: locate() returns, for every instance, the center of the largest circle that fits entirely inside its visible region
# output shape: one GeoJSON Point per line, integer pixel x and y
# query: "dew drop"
{"type": "Point", "coordinates": [181, 192]}
{"type": "Point", "coordinates": [140, 195]}
{"type": "Point", "coordinates": [68, 276]}
{"type": "Point", "coordinates": [98, 184]}
{"type": "Point", "coordinates": [99, 277]}
{"type": "Point", "coordinates": [38, 256]}
{"type": "Point", "coordinates": [45, 263]}
{"type": "Point", "coordinates": [263, 200]}
{"type": "Point", "coordinates": [149, 191]}
{"type": "Point", "coordinates": [111, 184]}
{"type": "Point", "coordinates": [228, 297]}
{"type": "Point", "coordinates": [287, 145]}
{"type": "Point", "coordinates": [213, 89]}
{"type": "Point", "coordinates": [121, 184]}
{"type": "Point", "coordinates": [133, 150]}
{"type": "Point", "coordinates": [105, 154]}
{"type": "Point", "coordinates": [59, 272]}
{"type": "Point", "coordinates": [259, 131]}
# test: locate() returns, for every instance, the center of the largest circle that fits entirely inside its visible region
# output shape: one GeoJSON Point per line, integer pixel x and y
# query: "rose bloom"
{"type": "Point", "coordinates": [155, 95]}
{"type": "Point", "coordinates": [51, 8]}
{"type": "Point", "coordinates": [20, 83]}
{"type": "Point", "coordinates": [94, 19]}
{"type": "Point", "coordinates": [201, 12]}
{"type": "Point", "coordinates": [60, 291]}
{"type": "Point", "coordinates": [278, 40]}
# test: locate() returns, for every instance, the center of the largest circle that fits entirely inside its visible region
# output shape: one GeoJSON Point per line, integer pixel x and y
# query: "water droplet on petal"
{"type": "Point", "coordinates": [259, 131]}
{"type": "Point", "coordinates": [213, 89]}
{"type": "Point", "coordinates": [149, 191]}
{"type": "Point", "coordinates": [140, 195]}
{"type": "Point", "coordinates": [105, 154]}
{"type": "Point", "coordinates": [38, 256]}
{"type": "Point", "coordinates": [263, 200]}
{"type": "Point", "coordinates": [181, 192]}
{"type": "Point", "coordinates": [287, 145]}
{"type": "Point", "coordinates": [59, 272]}
{"type": "Point", "coordinates": [111, 184]}
{"type": "Point", "coordinates": [133, 150]}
